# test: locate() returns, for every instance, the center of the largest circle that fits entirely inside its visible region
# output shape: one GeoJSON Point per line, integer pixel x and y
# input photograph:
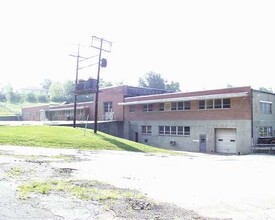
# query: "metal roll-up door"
{"type": "Point", "coordinates": [226, 140]}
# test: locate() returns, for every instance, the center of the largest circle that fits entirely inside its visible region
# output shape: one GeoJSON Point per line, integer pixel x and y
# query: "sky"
{"type": "Point", "coordinates": [202, 44]}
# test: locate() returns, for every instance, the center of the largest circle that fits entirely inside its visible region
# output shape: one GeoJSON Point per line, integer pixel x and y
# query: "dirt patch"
{"type": "Point", "coordinates": [31, 188]}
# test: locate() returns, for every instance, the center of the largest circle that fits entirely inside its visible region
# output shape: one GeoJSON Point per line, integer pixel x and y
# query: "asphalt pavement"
{"type": "Point", "coordinates": [223, 186]}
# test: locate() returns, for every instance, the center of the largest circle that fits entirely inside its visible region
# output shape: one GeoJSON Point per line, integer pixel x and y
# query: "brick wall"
{"type": "Point", "coordinates": [32, 113]}
{"type": "Point", "coordinates": [240, 108]}
{"type": "Point", "coordinates": [114, 95]}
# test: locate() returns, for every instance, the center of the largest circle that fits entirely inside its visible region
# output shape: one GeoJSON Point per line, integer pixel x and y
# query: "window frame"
{"type": "Point", "coordinates": [165, 130]}
{"type": "Point", "coordinates": [265, 107]}
{"type": "Point", "coordinates": [265, 131]}
{"type": "Point", "coordinates": [146, 129]}
{"type": "Point", "coordinates": [148, 107]}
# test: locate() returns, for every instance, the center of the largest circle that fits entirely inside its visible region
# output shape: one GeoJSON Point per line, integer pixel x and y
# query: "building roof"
{"type": "Point", "coordinates": [187, 98]}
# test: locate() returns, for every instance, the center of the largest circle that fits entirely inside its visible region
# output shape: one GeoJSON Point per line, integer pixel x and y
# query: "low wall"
{"type": "Point", "coordinates": [11, 118]}
{"type": "Point", "coordinates": [114, 128]}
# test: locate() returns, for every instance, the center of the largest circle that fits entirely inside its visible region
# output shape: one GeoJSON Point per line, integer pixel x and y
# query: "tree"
{"type": "Point", "coordinates": [152, 80]}
{"type": "Point", "coordinates": [2, 95]}
{"type": "Point", "coordinates": [103, 83]}
{"type": "Point", "coordinates": [42, 98]}
{"type": "Point", "coordinates": [30, 97]}
{"type": "Point", "coordinates": [172, 86]}
{"type": "Point", "coordinates": [56, 92]}
{"type": "Point", "coordinates": [62, 91]}
{"type": "Point", "coordinates": [15, 97]}
{"type": "Point", "coordinates": [10, 95]}
{"type": "Point", "coordinates": [69, 87]}
{"type": "Point", "coordinates": [46, 84]}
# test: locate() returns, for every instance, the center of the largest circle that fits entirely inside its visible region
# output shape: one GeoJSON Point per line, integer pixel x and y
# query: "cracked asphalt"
{"type": "Point", "coordinates": [204, 186]}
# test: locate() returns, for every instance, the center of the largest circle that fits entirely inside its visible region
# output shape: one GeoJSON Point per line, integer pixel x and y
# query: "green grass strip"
{"type": "Point", "coordinates": [68, 137]}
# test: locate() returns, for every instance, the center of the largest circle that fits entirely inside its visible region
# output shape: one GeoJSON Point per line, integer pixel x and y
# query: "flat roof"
{"type": "Point", "coordinates": [68, 108]}
{"type": "Point", "coordinates": [189, 98]}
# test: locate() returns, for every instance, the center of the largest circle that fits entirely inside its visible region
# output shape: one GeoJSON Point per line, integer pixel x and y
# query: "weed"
{"type": "Point", "coordinates": [83, 192]}
{"type": "Point", "coordinates": [15, 171]}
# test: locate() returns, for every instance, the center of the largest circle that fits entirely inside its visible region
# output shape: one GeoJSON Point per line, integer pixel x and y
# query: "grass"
{"type": "Point", "coordinates": [5, 112]}
{"type": "Point", "coordinates": [15, 171]}
{"type": "Point", "coordinates": [11, 109]}
{"type": "Point", "coordinates": [91, 191]}
{"type": "Point", "coordinates": [68, 137]}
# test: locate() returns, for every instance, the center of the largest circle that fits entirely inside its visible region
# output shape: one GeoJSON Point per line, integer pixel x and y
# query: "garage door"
{"type": "Point", "coordinates": [226, 140]}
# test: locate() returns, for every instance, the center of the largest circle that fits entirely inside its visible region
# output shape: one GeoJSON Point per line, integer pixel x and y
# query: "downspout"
{"type": "Point", "coordinates": [252, 119]}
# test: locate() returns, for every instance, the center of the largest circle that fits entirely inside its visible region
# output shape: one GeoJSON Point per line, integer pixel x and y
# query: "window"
{"type": "Point", "coordinates": [265, 131]}
{"type": "Point", "coordinates": [186, 130]}
{"type": "Point", "coordinates": [174, 130]}
{"type": "Point", "coordinates": [218, 103]}
{"type": "Point", "coordinates": [146, 129]}
{"type": "Point", "coordinates": [265, 107]}
{"type": "Point", "coordinates": [226, 103]}
{"type": "Point", "coordinates": [187, 105]}
{"type": "Point", "coordinates": [214, 103]}
{"type": "Point", "coordinates": [80, 111]}
{"type": "Point", "coordinates": [161, 106]}
{"type": "Point", "coordinates": [174, 106]}
{"type": "Point", "coordinates": [209, 104]}
{"type": "Point", "coordinates": [167, 106]}
{"type": "Point", "coordinates": [180, 130]}
{"type": "Point", "coordinates": [202, 104]}
{"type": "Point", "coordinates": [108, 106]}
{"type": "Point", "coordinates": [148, 108]}
{"type": "Point", "coordinates": [132, 108]}
{"type": "Point", "coordinates": [180, 105]}
{"type": "Point", "coordinates": [167, 130]}
{"type": "Point", "coordinates": [161, 129]}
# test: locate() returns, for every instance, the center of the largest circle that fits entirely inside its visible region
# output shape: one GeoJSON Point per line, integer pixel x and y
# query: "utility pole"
{"type": "Point", "coordinates": [100, 48]}
{"type": "Point", "coordinates": [76, 79]}
{"type": "Point", "coordinates": [75, 87]}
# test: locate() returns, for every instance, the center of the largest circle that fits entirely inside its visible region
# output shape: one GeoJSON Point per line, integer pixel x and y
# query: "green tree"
{"type": "Point", "coordinates": [152, 80]}
{"type": "Point", "coordinates": [30, 97]}
{"type": "Point", "coordinates": [103, 83]}
{"type": "Point", "coordinates": [7, 90]}
{"type": "Point", "coordinates": [155, 80]}
{"type": "Point", "coordinates": [56, 92]}
{"type": "Point", "coordinates": [69, 87]}
{"type": "Point", "coordinates": [10, 95]}
{"type": "Point", "coordinates": [172, 86]}
{"type": "Point", "coordinates": [2, 95]}
{"type": "Point", "coordinates": [15, 97]}
{"type": "Point", "coordinates": [46, 84]}
{"type": "Point", "coordinates": [42, 98]}
{"type": "Point", "coordinates": [62, 91]}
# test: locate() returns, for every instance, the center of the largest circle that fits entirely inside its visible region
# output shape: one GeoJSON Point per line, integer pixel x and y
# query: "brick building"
{"type": "Point", "coordinates": [223, 120]}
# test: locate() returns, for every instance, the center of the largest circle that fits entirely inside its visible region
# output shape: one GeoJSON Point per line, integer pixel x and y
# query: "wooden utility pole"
{"type": "Point", "coordinates": [76, 79]}
{"type": "Point", "coordinates": [100, 48]}
{"type": "Point", "coordinates": [75, 87]}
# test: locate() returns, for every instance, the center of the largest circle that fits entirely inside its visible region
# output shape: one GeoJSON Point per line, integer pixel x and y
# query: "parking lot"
{"type": "Point", "coordinates": [220, 186]}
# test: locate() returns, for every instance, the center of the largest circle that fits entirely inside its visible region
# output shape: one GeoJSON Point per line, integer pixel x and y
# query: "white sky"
{"type": "Point", "coordinates": [202, 44]}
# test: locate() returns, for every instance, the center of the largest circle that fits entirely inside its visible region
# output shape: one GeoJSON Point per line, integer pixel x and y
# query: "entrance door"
{"type": "Point", "coordinates": [136, 136]}
{"type": "Point", "coordinates": [108, 111]}
{"type": "Point", "coordinates": [202, 143]}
